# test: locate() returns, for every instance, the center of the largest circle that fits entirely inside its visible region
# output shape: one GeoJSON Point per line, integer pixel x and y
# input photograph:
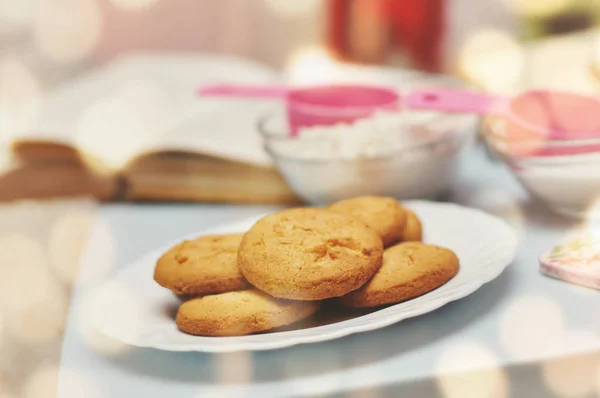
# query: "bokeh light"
{"type": "Point", "coordinates": [128, 319]}
{"type": "Point", "coordinates": [234, 367]}
{"type": "Point", "coordinates": [293, 8]}
{"type": "Point", "coordinates": [42, 383]}
{"type": "Point", "coordinates": [5, 393]}
{"type": "Point", "coordinates": [294, 364]}
{"type": "Point", "coordinates": [39, 322]}
{"type": "Point", "coordinates": [313, 65]}
{"type": "Point", "coordinates": [102, 344]}
{"type": "Point", "coordinates": [596, 50]}
{"type": "Point", "coordinates": [593, 211]}
{"type": "Point", "coordinates": [366, 393]}
{"type": "Point", "coordinates": [538, 8]}
{"type": "Point", "coordinates": [133, 5]}
{"type": "Point", "coordinates": [98, 267]}
{"type": "Point", "coordinates": [24, 217]}
{"type": "Point", "coordinates": [598, 380]}
{"type": "Point", "coordinates": [1, 328]}
{"type": "Point", "coordinates": [74, 383]}
{"type": "Point", "coordinates": [493, 59]}
{"type": "Point", "coordinates": [529, 324]}
{"type": "Point", "coordinates": [26, 257]}
{"type": "Point", "coordinates": [67, 31]}
{"type": "Point", "coordinates": [134, 116]}
{"type": "Point", "coordinates": [89, 333]}
{"type": "Point", "coordinates": [369, 375]}
{"type": "Point", "coordinates": [573, 376]}
{"type": "Point", "coordinates": [470, 369]}
{"type": "Point", "coordinates": [595, 62]}
{"type": "Point", "coordinates": [103, 124]}
{"type": "Point", "coordinates": [17, 12]}
{"type": "Point", "coordinates": [19, 97]}
{"type": "Point", "coordinates": [35, 314]}
{"type": "Point", "coordinates": [563, 65]}
{"type": "Point", "coordinates": [67, 239]}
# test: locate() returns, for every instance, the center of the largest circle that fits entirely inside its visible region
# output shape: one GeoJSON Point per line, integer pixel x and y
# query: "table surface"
{"type": "Point", "coordinates": [519, 318]}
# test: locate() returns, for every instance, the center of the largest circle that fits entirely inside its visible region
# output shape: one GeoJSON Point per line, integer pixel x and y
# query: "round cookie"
{"type": "Point", "coordinates": [205, 265]}
{"type": "Point", "coordinates": [309, 254]}
{"type": "Point", "coordinates": [409, 270]}
{"type": "Point", "coordinates": [383, 214]}
{"type": "Point", "coordinates": [413, 230]}
{"type": "Point", "coordinates": [240, 313]}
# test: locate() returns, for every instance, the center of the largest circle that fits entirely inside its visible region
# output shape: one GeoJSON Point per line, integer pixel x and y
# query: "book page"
{"type": "Point", "coordinates": [147, 103]}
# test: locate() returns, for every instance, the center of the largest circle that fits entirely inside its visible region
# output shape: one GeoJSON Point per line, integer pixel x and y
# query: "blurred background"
{"type": "Point", "coordinates": [501, 46]}
{"type": "Point", "coordinates": [43, 42]}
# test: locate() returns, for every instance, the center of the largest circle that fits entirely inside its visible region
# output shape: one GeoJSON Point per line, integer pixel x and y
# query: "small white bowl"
{"type": "Point", "coordinates": [424, 169]}
{"type": "Point", "coordinates": [562, 175]}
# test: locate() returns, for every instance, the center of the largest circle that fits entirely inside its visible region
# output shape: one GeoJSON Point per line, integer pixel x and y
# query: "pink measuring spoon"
{"type": "Point", "coordinates": [317, 105]}
{"type": "Point", "coordinates": [538, 123]}
{"type": "Point", "coordinates": [554, 114]}
{"type": "Point", "coordinates": [547, 115]}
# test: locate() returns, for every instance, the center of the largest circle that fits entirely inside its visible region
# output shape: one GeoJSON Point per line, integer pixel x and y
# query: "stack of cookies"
{"type": "Point", "coordinates": [358, 253]}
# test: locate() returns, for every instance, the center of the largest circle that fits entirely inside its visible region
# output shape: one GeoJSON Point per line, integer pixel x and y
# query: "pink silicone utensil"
{"type": "Point", "coordinates": [449, 100]}
{"type": "Point", "coordinates": [316, 105]}
{"type": "Point", "coordinates": [560, 115]}
{"type": "Point", "coordinates": [532, 117]}
{"type": "Point", "coordinates": [245, 91]}
{"type": "Point", "coordinates": [538, 123]}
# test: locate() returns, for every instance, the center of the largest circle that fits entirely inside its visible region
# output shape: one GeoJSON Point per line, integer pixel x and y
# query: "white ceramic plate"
{"type": "Point", "coordinates": [132, 308]}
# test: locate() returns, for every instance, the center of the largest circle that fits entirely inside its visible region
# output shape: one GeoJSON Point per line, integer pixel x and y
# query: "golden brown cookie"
{"type": "Point", "coordinates": [309, 254]}
{"type": "Point", "coordinates": [409, 270]}
{"type": "Point", "coordinates": [413, 230]}
{"type": "Point", "coordinates": [383, 214]}
{"type": "Point", "coordinates": [240, 313]}
{"type": "Point", "coordinates": [204, 265]}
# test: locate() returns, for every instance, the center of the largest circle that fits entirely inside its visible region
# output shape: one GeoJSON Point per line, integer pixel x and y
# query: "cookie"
{"type": "Point", "coordinates": [383, 214]}
{"type": "Point", "coordinates": [409, 270]}
{"type": "Point", "coordinates": [309, 254]}
{"type": "Point", "coordinates": [240, 313]}
{"type": "Point", "coordinates": [413, 230]}
{"type": "Point", "coordinates": [204, 265]}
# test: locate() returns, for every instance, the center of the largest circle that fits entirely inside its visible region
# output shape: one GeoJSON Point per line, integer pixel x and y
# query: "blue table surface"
{"type": "Point", "coordinates": [496, 327]}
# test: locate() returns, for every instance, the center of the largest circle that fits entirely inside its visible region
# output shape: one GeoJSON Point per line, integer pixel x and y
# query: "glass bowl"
{"type": "Point", "coordinates": [563, 175]}
{"type": "Point", "coordinates": [420, 162]}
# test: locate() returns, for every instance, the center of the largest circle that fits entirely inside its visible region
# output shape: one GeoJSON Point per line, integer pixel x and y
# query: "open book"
{"type": "Point", "coordinates": [135, 130]}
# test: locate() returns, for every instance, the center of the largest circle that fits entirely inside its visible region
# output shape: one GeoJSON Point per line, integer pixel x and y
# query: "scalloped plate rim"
{"type": "Point", "coordinates": [340, 329]}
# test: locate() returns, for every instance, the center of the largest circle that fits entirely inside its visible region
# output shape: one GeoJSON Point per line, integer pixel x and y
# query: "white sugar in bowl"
{"type": "Point", "coordinates": [406, 155]}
